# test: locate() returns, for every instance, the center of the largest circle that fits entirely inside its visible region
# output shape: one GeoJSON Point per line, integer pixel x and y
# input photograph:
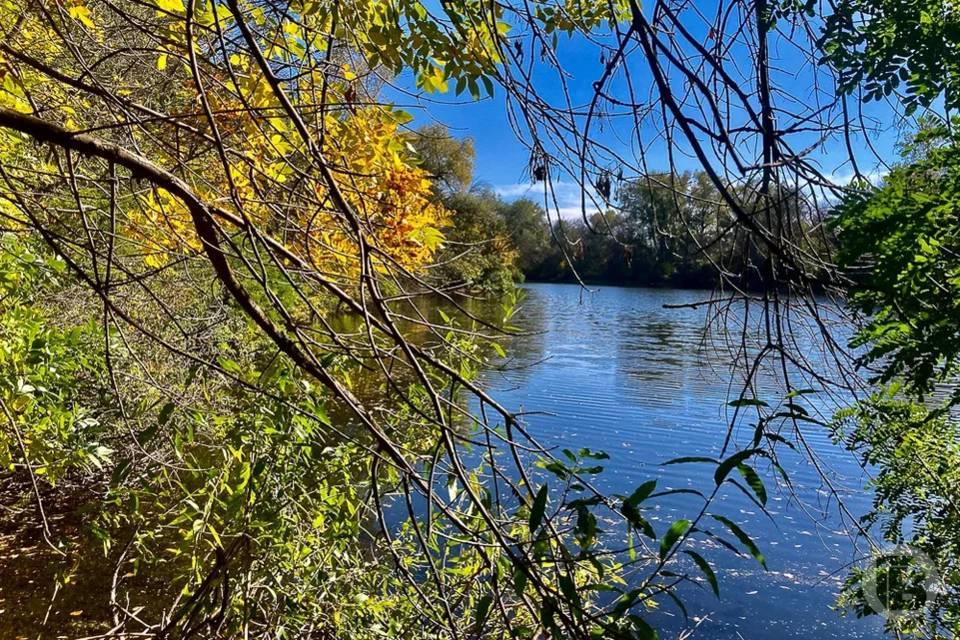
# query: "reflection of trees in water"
{"type": "Point", "coordinates": [523, 340]}
{"type": "Point", "coordinates": [648, 349]}
{"type": "Point", "coordinates": [524, 347]}
{"type": "Point", "coordinates": [668, 339]}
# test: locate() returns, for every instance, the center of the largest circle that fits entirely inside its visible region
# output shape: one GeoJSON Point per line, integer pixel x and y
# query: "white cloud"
{"type": "Point", "coordinates": [574, 213]}
{"type": "Point", "coordinates": [568, 204]}
{"type": "Point", "coordinates": [844, 178]}
{"type": "Point", "coordinates": [517, 190]}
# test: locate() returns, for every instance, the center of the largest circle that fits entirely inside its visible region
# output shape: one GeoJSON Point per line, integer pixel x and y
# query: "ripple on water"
{"type": "Point", "coordinates": [618, 372]}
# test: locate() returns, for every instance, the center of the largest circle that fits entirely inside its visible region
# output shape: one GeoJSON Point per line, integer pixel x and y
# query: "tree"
{"type": "Point", "coordinates": [527, 228]}
{"type": "Point", "coordinates": [917, 461]}
{"type": "Point", "coordinates": [447, 160]}
{"type": "Point", "coordinates": [211, 221]}
{"type": "Point", "coordinates": [882, 44]}
{"type": "Point", "coordinates": [479, 252]}
{"type": "Point", "coordinates": [899, 242]}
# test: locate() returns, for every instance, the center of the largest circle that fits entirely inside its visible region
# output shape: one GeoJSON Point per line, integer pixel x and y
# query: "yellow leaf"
{"type": "Point", "coordinates": [281, 145]}
{"type": "Point", "coordinates": [208, 16]}
{"type": "Point", "coordinates": [81, 13]}
{"type": "Point", "coordinates": [162, 62]}
{"type": "Point", "coordinates": [216, 536]}
{"type": "Point", "coordinates": [173, 6]}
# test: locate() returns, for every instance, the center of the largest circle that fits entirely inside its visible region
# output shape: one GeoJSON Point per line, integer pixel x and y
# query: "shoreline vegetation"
{"type": "Point", "coordinates": [218, 227]}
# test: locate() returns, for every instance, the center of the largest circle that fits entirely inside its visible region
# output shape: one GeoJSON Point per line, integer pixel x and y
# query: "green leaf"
{"type": "Point", "coordinates": [147, 434]}
{"type": "Point", "coordinates": [625, 601]}
{"type": "Point", "coordinates": [480, 613]}
{"type": "Point", "coordinates": [631, 511]}
{"type": "Point", "coordinates": [670, 492]}
{"type": "Point", "coordinates": [747, 402]}
{"type": "Point", "coordinates": [596, 455]}
{"type": "Point", "coordinates": [569, 589]}
{"type": "Point", "coordinates": [558, 469]}
{"type": "Point", "coordinates": [677, 601]}
{"type": "Point", "coordinates": [586, 527]}
{"type": "Point", "coordinates": [165, 412]}
{"type": "Point", "coordinates": [519, 580]}
{"type": "Point", "coordinates": [776, 437]}
{"type": "Point", "coordinates": [719, 540]}
{"type": "Point", "coordinates": [641, 524]}
{"type": "Point", "coordinates": [402, 117]}
{"type": "Point", "coordinates": [321, 415]}
{"type": "Point", "coordinates": [120, 471]}
{"type": "Point", "coordinates": [673, 534]}
{"type": "Point", "coordinates": [488, 85]}
{"type": "Point", "coordinates": [644, 630]}
{"type": "Point", "coordinates": [748, 493]}
{"type": "Point", "coordinates": [754, 481]}
{"type": "Point", "coordinates": [686, 459]}
{"type": "Point", "coordinates": [744, 539]}
{"type": "Point", "coordinates": [538, 509]}
{"type": "Point", "coordinates": [706, 569]}
{"type": "Point", "coordinates": [725, 467]}
{"type": "Point", "coordinates": [641, 493]}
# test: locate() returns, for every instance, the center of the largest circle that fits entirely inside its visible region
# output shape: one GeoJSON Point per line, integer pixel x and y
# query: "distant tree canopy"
{"type": "Point", "coordinates": [528, 230]}
{"type": "Point", "coordinates": [446, 159]}
{"type": "Point", "coordinates": [667, 229]}
{"type": "Point", "coordinates": [664, 229]}
{"type": "Point", "coordinates": [479, 253]}
{"type": "Point", "coordinates": [661, 230]}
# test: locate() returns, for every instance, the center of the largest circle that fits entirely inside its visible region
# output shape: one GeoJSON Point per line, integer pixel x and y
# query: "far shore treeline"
{"type": "Point", "coordinates": [662, 230]}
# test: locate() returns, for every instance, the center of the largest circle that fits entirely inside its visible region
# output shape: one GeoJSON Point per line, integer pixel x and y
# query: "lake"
{"type": "Point", "coordinates": [614, 370]}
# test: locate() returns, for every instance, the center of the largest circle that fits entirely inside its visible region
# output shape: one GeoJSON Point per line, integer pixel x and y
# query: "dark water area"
{"type": "Point", "coordinates": [614, 370]}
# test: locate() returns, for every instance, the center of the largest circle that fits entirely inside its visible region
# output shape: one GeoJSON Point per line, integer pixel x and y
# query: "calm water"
{"type": "Point", "coordinates": [616, 371]}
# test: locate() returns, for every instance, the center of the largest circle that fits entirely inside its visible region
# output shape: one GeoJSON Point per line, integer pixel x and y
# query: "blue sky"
{"type": "Point", "coordinates": [501, 159]}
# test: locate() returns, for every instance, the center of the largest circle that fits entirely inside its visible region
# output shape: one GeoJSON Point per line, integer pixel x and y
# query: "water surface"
{"type": "Point", "coordinates": [615, 370]}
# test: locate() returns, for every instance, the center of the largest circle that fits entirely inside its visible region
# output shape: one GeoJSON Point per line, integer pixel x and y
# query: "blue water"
{"type": "Point", "coordinates": [616, 371]}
